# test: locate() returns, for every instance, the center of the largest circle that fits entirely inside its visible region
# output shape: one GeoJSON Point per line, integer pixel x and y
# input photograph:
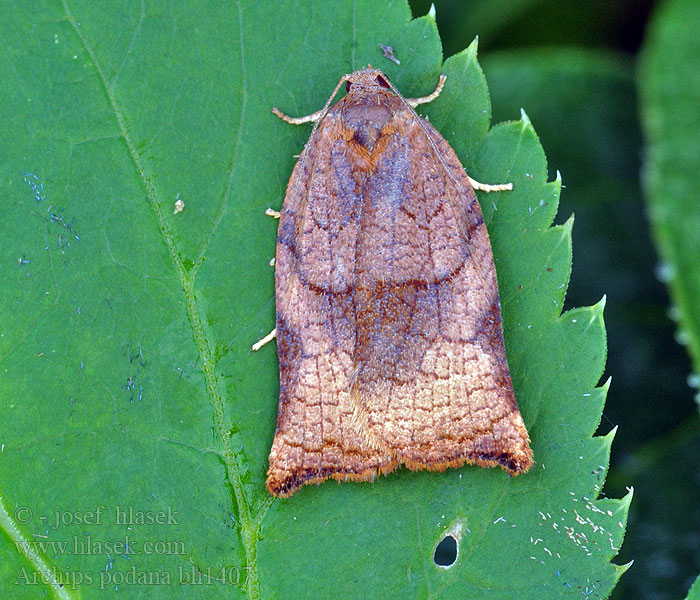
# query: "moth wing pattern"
{"type": "Point", "coordinates": [389, 330]}
{"type": "Point", "coordinates": [439, 393]}
{"type": "Point", "coordinates": [316, 436]}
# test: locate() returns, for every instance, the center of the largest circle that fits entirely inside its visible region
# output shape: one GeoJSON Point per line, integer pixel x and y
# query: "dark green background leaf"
{"type": "Point", "coordinates": [583, 104]}
{"type": "Point", "coordinates": [127, 375]}
{"type": "Point", "coordinates": [669, 85]}
{"type": "Point", "coordinates": [670, 94]}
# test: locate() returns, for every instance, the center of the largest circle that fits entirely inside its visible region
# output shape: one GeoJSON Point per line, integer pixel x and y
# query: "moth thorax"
{"type": "Point", "coordinates": [366, 117]}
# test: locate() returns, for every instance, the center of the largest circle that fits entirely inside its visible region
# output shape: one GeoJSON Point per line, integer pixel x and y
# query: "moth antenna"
{"type": "Point", "coordinates": [315, 117]}
{"type": "Point", "coordinates": [324, 110]}
{"type": "Point", "coordinates": [296, 120]}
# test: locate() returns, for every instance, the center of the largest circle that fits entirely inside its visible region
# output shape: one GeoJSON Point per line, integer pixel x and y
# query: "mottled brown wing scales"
{"type": "Point", "coordinates": [388, 320]}
{"type": "Point", "coordinates": [316, 329]}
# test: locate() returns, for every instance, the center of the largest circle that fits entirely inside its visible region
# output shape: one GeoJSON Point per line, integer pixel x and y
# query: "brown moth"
{"type": "Point", "coordinates": [389, 330]}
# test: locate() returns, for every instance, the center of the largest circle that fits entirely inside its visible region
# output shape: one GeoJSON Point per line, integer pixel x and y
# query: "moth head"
{"type": "Point", "coordinates": [368, 79]}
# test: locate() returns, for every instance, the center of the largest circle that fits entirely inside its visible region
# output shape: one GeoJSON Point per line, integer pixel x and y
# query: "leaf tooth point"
{"type": "Point", "coordinates": [558, 181]}
{"type": "Point", "coordinates": [467, 55]}
{"type": "Point", "coordinates": [525, 120]}
{"type": "Point", "coordinates": [621, 569]}
{"type": "Point", "coordinates": [431, 12]}
{"type": "Point", "coordinates": [610, 436]}
{"type": "Point", "coordinates": [626, 500]}
{"type": "Point", "coordinates": [599, 306]}
{"type": "Point", "coordinates": [569, 223]}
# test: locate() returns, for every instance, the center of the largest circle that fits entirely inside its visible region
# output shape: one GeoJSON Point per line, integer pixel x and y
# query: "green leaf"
{"type": "Point", "coordinates": [670, 96]}
{"type": "Point", "coordinates": [133, 407]}
{"type": "Point", "coordinates": [583, 104]}
{"type": "Point", "coordinates": [694, 592]}
{"type": "Point", "coordinates": [663, 520]}
{"type": "Point", "coordinates": [572, 94]}
{"type": "Point", "coordinates": [487, 18]}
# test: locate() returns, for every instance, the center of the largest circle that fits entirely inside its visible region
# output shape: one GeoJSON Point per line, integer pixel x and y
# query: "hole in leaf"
{"type": "Point", "coordinates": [446, 552]}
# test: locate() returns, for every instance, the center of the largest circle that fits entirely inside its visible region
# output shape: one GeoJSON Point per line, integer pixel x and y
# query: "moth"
{"type": "Point", "coordinates": [389, 332]}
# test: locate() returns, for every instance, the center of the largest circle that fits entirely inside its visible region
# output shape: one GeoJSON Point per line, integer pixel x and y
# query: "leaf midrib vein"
{"type": "Point", "coordinates": [248, 525]}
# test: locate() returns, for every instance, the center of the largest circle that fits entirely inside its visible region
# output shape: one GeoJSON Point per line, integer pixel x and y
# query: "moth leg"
{"type": "Point", "coordinates": [485, 187]}
{"type": "Point", "coordinates": [297, 120]}
{"type": "Point", "coordinates": [436, 92]}
{"type": "Point", "coordinates": [268, 338]}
